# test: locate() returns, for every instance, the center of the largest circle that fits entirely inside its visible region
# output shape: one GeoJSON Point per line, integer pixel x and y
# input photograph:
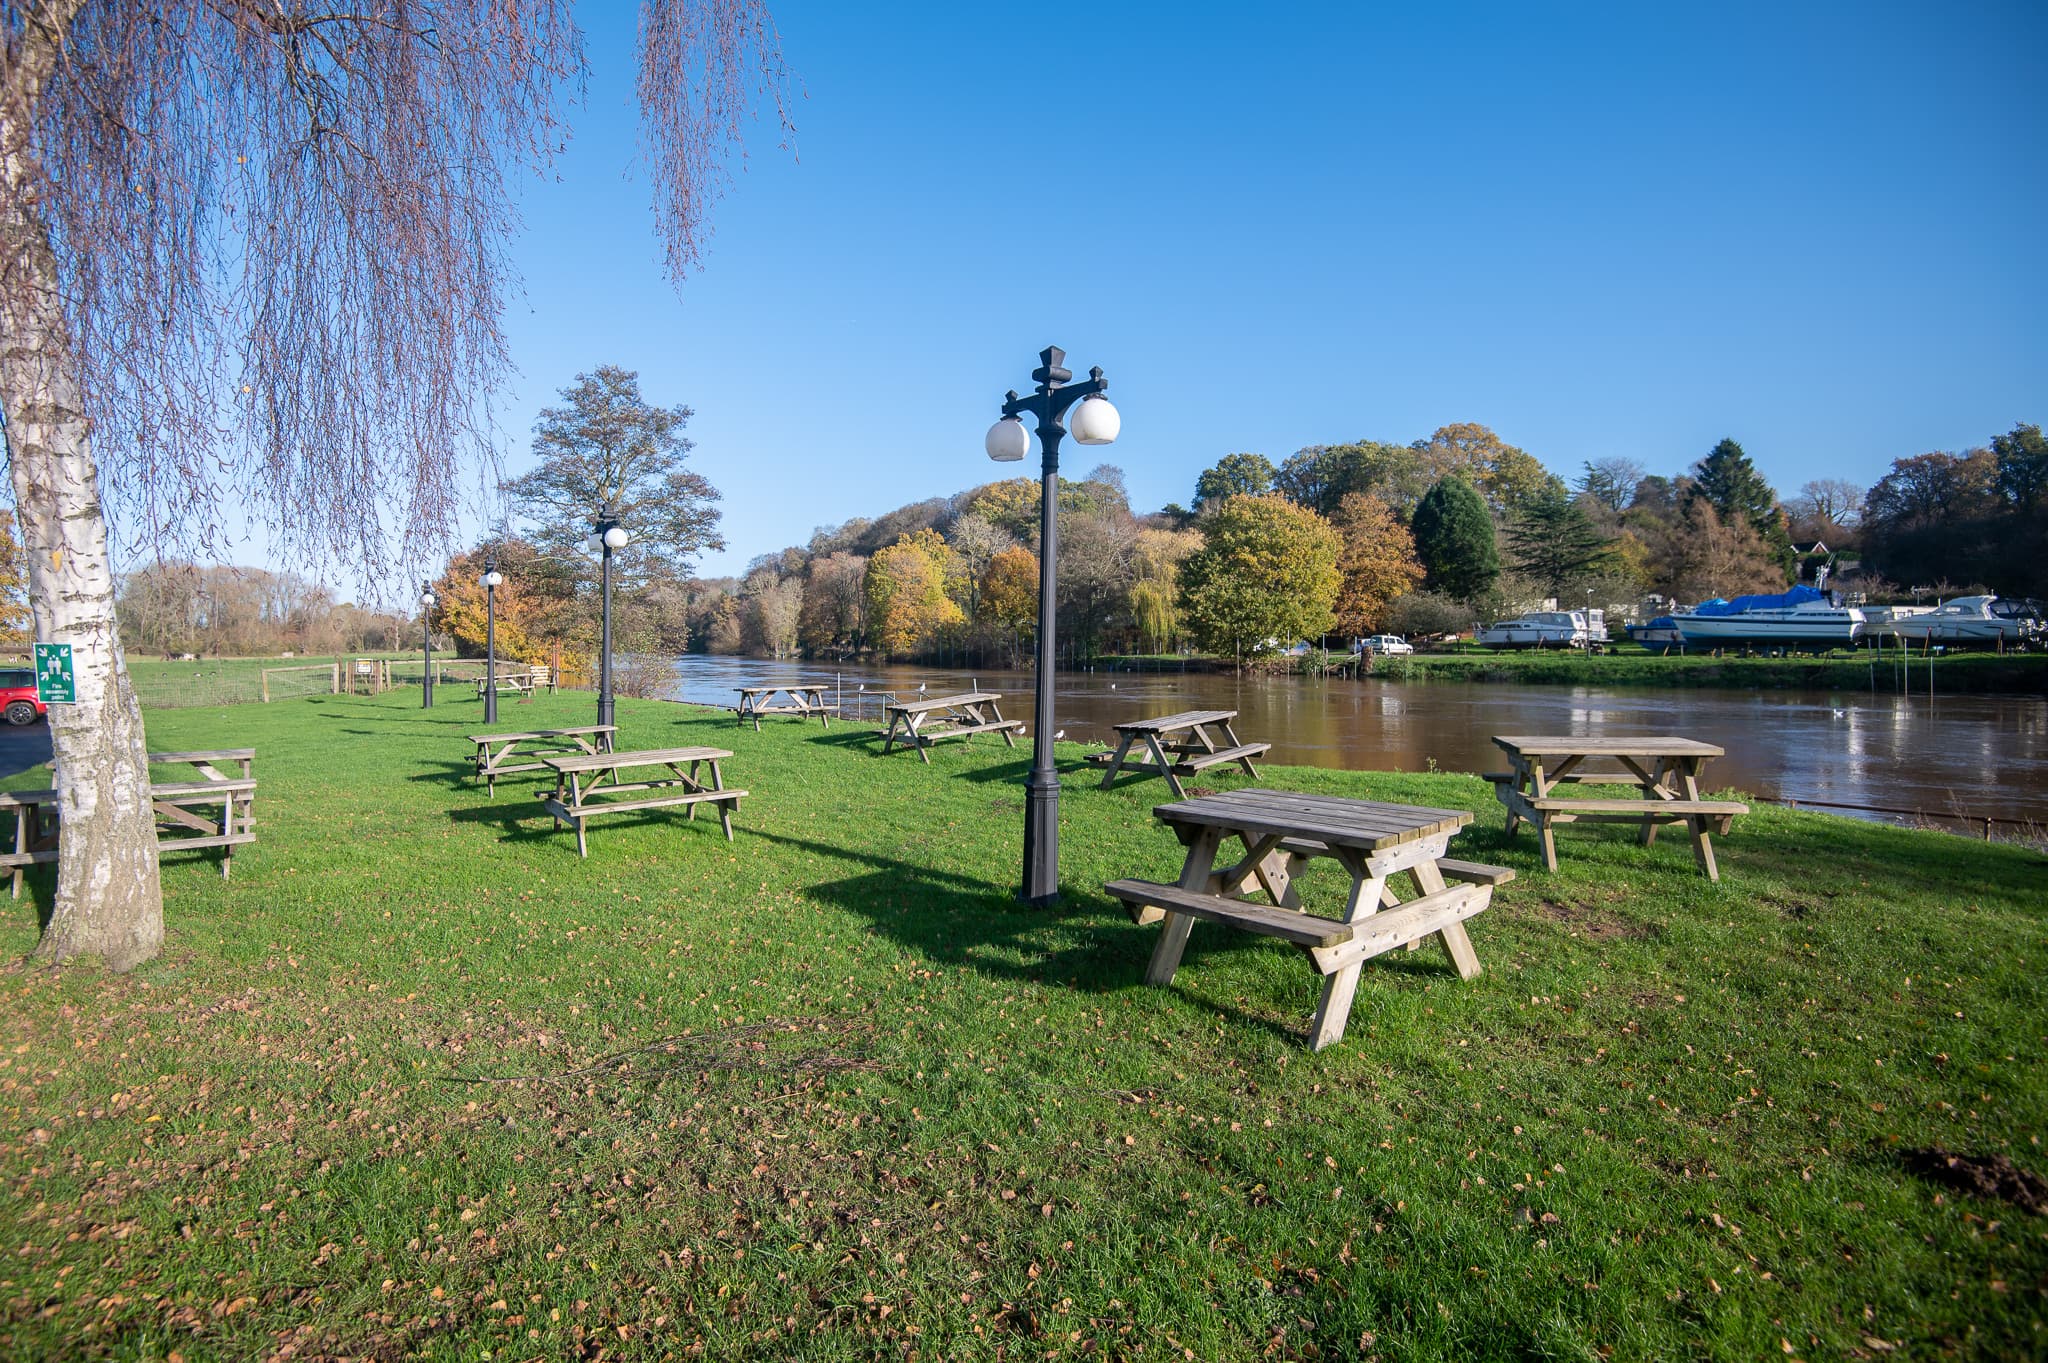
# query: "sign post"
{"type": "Point", "coordinates": [56, 684]}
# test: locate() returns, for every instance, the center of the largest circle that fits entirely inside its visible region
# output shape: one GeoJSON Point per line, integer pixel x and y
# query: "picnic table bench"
{"type": "Point", "coordinates": [1665, 771]}
{"type": "Point", "coordinates": [575, 799]}
{"type": "Point", "coordinates": [495, 753]}
{"type": "Point", "coordinates": [804, 701]}
{"type": "Point", "coordinates": [183, 810]}
{"type": "Point", "coordinates": [1181, 745]}
{"type": "Point", "coordinates": [970, 712]}
{"type": "Point", "coordinates": [1281, 831]}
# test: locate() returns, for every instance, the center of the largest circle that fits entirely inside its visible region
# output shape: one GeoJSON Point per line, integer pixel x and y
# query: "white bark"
{"type": "Point", "coordinates": [109, 901]}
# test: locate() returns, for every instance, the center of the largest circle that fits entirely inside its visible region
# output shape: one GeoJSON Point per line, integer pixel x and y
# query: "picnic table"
{"type": "Point", "coordinates": [184, 811]}
{"type": "Point", "coordinates": [521, 681]}
{"type": "Point", "coordinates": [1181, 745]}
{"type": "Point", "coordinates": [1281, 831]}
{"type": "Point", "coordinates": [495, 753]}
{"type": "Point", "coordinates": [584, 783]}
{"type": "Point", "coordinates": [804, 701]}
{"type": "Point", "coordinates": [1665, 771]}
{"type": "Point", "coordinates": [970, 712]}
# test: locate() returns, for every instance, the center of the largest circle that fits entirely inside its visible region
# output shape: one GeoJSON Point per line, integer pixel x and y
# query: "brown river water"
{"type": "Point", "coordinates": [1952, 754]}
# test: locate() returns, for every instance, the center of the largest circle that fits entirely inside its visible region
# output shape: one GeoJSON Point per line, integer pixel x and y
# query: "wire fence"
{"type": "Point", "coordinates": [1950, 820]}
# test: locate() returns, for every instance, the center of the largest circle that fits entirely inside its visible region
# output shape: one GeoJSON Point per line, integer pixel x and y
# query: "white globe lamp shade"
{"type": "Point", "coordinates": [428, 598]}
{"type": "Point", "coordinates": [1008, 441]}
{"type": "Point", "coordinates": [617, 538]}
{"type": "Point", "coordinates": [1095, 422]}
{"type": "Point", "coordinates": [494, 579]}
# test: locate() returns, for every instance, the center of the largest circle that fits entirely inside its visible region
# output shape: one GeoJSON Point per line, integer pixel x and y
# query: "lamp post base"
{"type": "Point", "coordinates": [1041, 841]}
{"type": "Point", "coordinates": [604, 710]}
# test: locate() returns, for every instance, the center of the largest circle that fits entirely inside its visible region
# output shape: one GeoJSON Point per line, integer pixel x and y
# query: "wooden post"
{"type": "Point", "coordinates": [266, 685]}
{"type": "Point", "coordinates": [335, 689]}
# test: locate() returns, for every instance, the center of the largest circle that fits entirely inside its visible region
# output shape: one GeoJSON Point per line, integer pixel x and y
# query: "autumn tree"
{"type": "Point", "coordinates": [1710, 557]}
{"type": "Point", "coordinates": [834, 613]}
{"type": "Point", "coordinates": [257, 252]}
{"type": "Point", "coordinates": [1376, 562]}
{"type": "Point", "coordinates": [908, 606]}
{"type": "Point", "coordinates": [606, 448]}
{"type": "Point", "coordinates": [1454, 539]}
{"type": "Point", "coordinates": [466, 616]}
{"type": "Point", "coordinates": [1501, 473]}
{"type": "Point", "coordinates": [15, 618]}
{"type": "Point", "coordinates": [1266, 572]}
{"type": "Point", "coordinates": [1009, 594]}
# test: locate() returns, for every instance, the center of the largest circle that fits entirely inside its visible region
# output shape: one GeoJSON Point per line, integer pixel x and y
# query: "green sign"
{"type": "Point", "coordinates": [55, 683]}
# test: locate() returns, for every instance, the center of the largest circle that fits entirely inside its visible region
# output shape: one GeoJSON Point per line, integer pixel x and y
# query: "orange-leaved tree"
{"type": "Point", "coordinates": [1376, 562]}
{"type": "Point", "coordinates": [908, 606]}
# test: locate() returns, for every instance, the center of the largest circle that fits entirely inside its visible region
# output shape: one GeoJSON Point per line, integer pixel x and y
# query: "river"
{"type": "Point", "coordinates": [1969, 754]}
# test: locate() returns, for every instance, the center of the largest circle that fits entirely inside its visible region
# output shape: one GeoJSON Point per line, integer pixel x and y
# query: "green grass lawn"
{"type": "Point", "coordinates": [417, 1082]}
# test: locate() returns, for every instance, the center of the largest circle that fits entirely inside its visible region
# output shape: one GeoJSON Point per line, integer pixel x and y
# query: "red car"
{"type": "Point", "coordinates": [18, 700]}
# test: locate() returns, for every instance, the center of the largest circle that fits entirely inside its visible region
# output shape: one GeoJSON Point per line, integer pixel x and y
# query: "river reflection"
{"type": "Point", "coordinates": [1983, 754]}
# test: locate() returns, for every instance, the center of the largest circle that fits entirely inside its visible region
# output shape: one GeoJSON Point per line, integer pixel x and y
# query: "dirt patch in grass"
{"type": "Point", "coordinates": [1987, 1176]}
{"type": "Point", "coordinates": [1580, 920]}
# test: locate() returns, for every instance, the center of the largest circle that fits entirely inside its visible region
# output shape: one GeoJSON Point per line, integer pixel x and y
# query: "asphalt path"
{"type": "Point", "coordinates": [23, 747]}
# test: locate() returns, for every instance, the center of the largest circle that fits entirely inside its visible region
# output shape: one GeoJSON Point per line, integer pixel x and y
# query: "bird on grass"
{"type": "Point", "coordinates": [1061, 734]}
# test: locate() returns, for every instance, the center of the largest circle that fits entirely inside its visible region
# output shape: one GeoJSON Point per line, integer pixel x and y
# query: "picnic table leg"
{"type": "Point", "coordinates": [1333, 1010]}
{"type": "Point", "coordinates": [1165, 765]}
{"type": "Point", "coordinates": [1116, 762]}
{"type": "Point", "coordinates": [1173, 936]}
{"type": "Point", "coordinates": [576, 802]}
{"type": "Point", "coordinates": [1702, 844]}
{"type": "Point", "coordinates": [725, 807]}
{"type": "Point", "coordinates": [1009, 736]}
{"type": "Point", "coordinates": [689, 783]}
{"type": "Point", "coordinates": [917, 738]}
{"type": "Point", "coordinates": [1230, 738]}
{"type": "Point", "coordinates": [1652, 791]}
{"type": "Point", "coordinates": [1546, 834]}
{"type": "Point", "coordinates": [1457, 945]}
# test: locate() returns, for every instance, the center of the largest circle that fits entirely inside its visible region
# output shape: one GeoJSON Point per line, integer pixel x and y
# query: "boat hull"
{"type": "Point", "coordinates": [1838, 629]}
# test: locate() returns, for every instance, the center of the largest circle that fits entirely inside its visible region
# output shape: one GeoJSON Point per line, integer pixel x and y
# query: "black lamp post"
{"type": "Point", "coordinates": [491, 580]}
{"type": "Point", "coordinates": [606, 538]}
{"type": "Point", "coordinates": [1095, 423]}
{"type": "Point", "coordinates": [427, 600]}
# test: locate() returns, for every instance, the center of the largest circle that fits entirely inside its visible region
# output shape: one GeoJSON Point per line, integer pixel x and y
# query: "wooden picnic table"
{"type": "Point", "coordinates": [970, 712]}
{"type": "Point", "coordinates": [1181, 745]}
{"type": "Point", "coordinates": [495, 752]}
{"type": "Point", "coordinates": [804, 701]}
{"type": "Point", "coordinates": [1280, 831]}
{"type": "Point", "coordinates": [584, 783]}
{"type": "Point", "coordinates": [183, 809]}
{"type": "Point", "coordinates": [1664, 770]}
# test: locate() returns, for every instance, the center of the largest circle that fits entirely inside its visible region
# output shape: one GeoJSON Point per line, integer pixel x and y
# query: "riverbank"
{"type": "Point", "coordinates": [418, 1080]}
{"type": "Point", "coordinates": [1953, 674]}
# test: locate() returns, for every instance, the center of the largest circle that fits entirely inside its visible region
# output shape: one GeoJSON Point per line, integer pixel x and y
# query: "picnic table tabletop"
{"type": "Point", "coordinates": [1187, 719]}
{"type": "Point", "coordinates": [918, 707]}
{"type": "Point", "coordinates": [646, 757]}
{"type": "Point", "coordinates": [1334, 820]}
{"type": "Point", "coordinates": [528, 735]}
{"type": "Point", "coordinates": [1579, 745]}
{"type": "Point", "coordinates": [791, 687]}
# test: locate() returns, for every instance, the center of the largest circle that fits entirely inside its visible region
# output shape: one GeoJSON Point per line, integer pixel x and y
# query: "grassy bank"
{"type": "Point", "coordinates": [1966, 673]}
{"type": "Point", "coordinates": [888, 1113]}
{"type": "Point", "coordinates": [1956, 673]}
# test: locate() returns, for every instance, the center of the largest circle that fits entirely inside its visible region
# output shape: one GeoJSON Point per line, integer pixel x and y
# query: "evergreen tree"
{"type": "Point", "coordinates": [1554, 541]}
{"type": "Point", "coordinates": [1454, 539]}
{"type": "Point", "coordinates": [1736, 491]}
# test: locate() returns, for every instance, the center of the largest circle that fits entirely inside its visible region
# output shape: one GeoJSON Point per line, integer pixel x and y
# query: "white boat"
{"type": "Point", "coordinates": [1969, 620]}
{"type": "Point", "coordinates": [1547, 629]}
{"type": "Point", "coordinates": [1799, 616]}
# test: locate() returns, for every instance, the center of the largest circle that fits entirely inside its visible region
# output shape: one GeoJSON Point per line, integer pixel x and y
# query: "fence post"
{"type": "Point", "coordinates": [265, 674]}
{"type": "Point", "coordinates": [336, 688]}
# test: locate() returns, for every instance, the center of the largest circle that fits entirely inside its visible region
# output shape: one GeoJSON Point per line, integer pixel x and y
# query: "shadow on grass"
{"type": "Point", "coordinates": [974, 923]}
{"type": "Point", "coordinates": [453, 775]}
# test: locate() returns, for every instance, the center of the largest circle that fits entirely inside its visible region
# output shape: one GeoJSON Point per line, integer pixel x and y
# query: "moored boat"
{"type": "Point", "coordinates": [1970, 620]}
{"type": "Point", "coordinates": [1802, 615]}
{"type": "Point", "coordinates": [1547, 629]}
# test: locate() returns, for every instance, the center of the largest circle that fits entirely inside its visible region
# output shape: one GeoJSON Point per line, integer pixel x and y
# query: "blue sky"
{"type": "Point", "coordinates": [1600, 231]}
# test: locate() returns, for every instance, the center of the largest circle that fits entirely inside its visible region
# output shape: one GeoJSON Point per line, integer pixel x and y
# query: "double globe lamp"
{"type": "Point", "coordinates": [1091, 420]}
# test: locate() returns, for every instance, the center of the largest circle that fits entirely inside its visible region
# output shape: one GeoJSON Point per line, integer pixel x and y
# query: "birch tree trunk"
{"type": "Point", "coordinates": [109, 900]}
